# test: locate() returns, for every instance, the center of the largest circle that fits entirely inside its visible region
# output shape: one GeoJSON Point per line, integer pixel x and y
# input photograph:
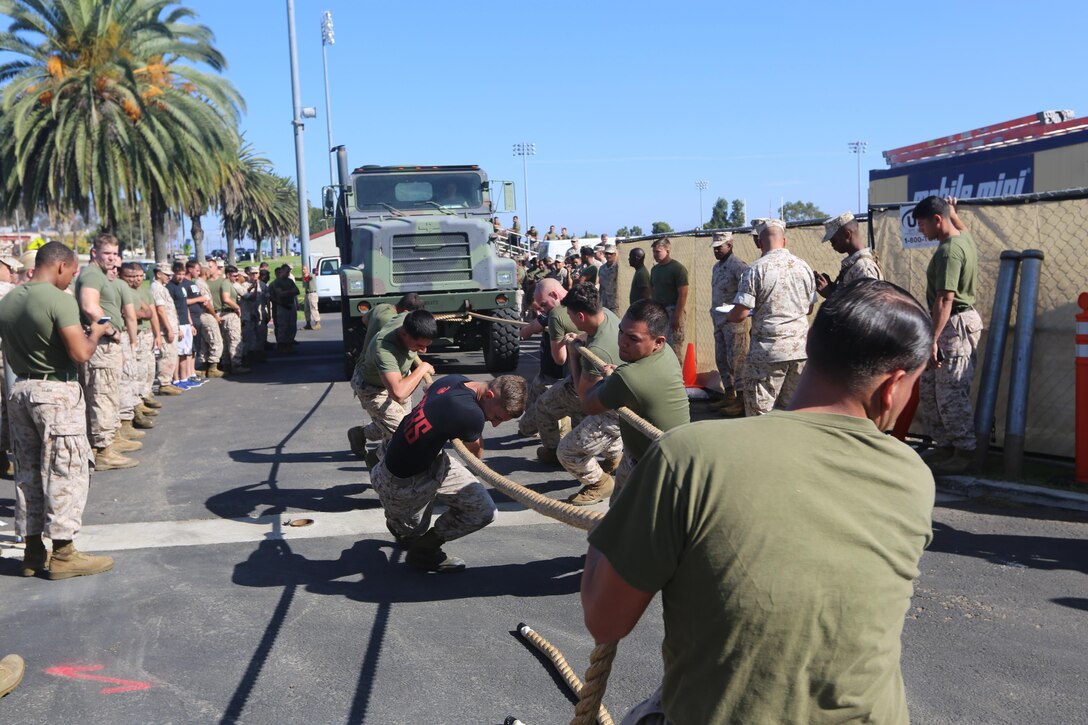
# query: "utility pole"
{"type": "Point", "coordinates": [327, 39]}
{"type": "Point", "coordinates": [524, 150]}
{"type": "Point", "coordinates": [858, 148]}
{"type": "Point", "coordinates": [701, 186]}
{"type": "Point", "coordinates": [298, 113]}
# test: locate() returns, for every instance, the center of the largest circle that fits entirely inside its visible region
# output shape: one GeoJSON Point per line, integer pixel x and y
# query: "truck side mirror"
{"type": "Point", "coordinates": [329, 202]}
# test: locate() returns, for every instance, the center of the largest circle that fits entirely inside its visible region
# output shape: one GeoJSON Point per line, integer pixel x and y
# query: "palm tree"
{"type": "Point", "coordinates": [101, 108]}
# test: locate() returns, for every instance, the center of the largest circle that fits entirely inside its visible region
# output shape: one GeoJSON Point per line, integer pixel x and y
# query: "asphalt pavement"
{"type": "Point", "coordinates": [220, 610]}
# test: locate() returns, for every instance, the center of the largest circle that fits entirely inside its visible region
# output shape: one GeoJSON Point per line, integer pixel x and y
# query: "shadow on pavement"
{"type": "Point", "coordinates": [1035, 552]}
{"type": "Point", "coordinates": [260, 499]}
{"type": "Point", "coordinates": [1072, 602]}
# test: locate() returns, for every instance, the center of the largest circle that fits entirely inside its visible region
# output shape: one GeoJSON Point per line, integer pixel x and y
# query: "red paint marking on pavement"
{"type": "Point", "coordinates": [77, 672]}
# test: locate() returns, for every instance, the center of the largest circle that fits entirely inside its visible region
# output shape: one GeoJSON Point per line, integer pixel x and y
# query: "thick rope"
{"type": "Point", "coordinates": [636, 421]}
{"type": "Point", "coordinates": [560, 662]}
{"type": "Point", "coordinates": [574, 516]}
{"type": "Point", "coordinates": [589, 699]}
{"type": "Point", "coordinates": [469, 316]}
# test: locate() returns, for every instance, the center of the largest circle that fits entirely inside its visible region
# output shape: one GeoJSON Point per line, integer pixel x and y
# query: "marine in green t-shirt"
{"type": "Point", "coordinates": [31, 317]}
{"type": "Point", "coordinates": [387, 354]}
{"type": "Point", "coordinates": [603, 343]}
{"type": "Point", "coordinates": [953, 268]}
{"type": "Point", "coordinates": [109, 294]}
{"type": "Point", "coordinates": [667, 279]}
{"type": "Point", "coordinates": [640, 280]}
{"type": "Point", "coordinates": [379, 317]}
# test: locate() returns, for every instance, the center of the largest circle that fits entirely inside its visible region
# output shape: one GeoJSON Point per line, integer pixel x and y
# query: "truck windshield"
{"type": "Point", "coordinates": [406, 192]}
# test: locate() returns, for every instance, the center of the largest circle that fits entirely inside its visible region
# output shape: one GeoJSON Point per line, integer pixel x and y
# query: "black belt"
{"type": "Point", "coordinates": [53, 377]}
{"type": "Point", "coordinates": [957, 309]}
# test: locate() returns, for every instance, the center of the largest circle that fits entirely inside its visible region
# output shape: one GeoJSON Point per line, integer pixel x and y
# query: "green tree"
{"type": "Point", "coordinates": [736, 216]}
{"type": "Point", "coordinates": [660, 228]}
{"type": "Point", "coordinates": [636, 231]}
{"type": "Point", "coordinates": [318, 221]}
{"type": "Point", "coordinates": [793, 211]}
{"type": "Point", "coordinates": [623, 232]}
{"type": "Point", "coordinates": [101, 106]}
{"type": "Point", "coordinates": [719, 215]}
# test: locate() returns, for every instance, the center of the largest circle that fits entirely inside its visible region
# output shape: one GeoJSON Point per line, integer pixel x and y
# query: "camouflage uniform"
{"type": "Point", "coordinates": [168, 363]}
{"type": "Point", "coordinates": [101, 378]}
{"type": "Point", "coordinates": [608, 277]}
{"type": "Point", "coordinates": [52, 457]}
{"type": "Point", "coordinates": [778, 289]}
{"type": "Point", "coordinates": [862, 264]}
{"type": "Point", "coordinates": [556, 403]}
{"type": "Point", "coordinates": [145, 359]}
{"type": "Point", "coordinates": [408, 501]}
{"type": "Point", "coordinates": [386, 412]}
{"type": "Point", "coordinates": [730, 338]}
{"type": "Point", "coordinates": [527, 423]}
{"type": "Point", "coordinates": [313, 314]}
{"type": "Point", "coordinates": [5, 432]}
{"type": "Point", "coordinates": [232, 338]}
{"type": "Point", "coordinates": [675, 337]}
{"type": "Point", "coordinates": [623, 472]}
{"type": "Point", "coordinates": [250, 302]}
{"type": "Point", "coordinates": [211, 339]}
{"type": "Point", "coordinates": [944, 393]}
{"type": "Point", "coordinates": [130, 380]}
{"type": "Point", "coordinates": [596, 435]}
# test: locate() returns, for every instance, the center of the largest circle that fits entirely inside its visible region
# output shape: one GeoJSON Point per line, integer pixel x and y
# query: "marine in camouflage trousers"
{"type": "Point", "coordinates": [596, 435]}
{"type": "Point", "coordinates": [52, 457]}
{"type": "Point", "coordinates": [211, 340]}
{"type": "Point", "coordinates": [232, 339]}
{"type": "Point", "coordinates": [527, 423]}
{"type": "Point", "coordinates": [168, 363]}
{"type": "Point", "coordinates": [731, 350]}
{"type": "Point", "coordinates": [386, 412]}
{"type": "Point", "coordinates": [554, 404]}
{"type": "Point", "coordinates": [145, 359]}
{"type": "Point", "coordinates": [770, 385]}
{"type": "Point", "coordinates": [101, 378]}
{"type": "Point", "coordinates": [252, 343]}
{"type": "Point", "coordinates": [675, 338]}
{"type": "Point", "coordinates": [944, 393]}
{"type": "Point", "coordinates": [408, 502]}
{"type": "Point", "coordinates": [313, 311]}
{"type": "Point", "coordinates": [131, 372]}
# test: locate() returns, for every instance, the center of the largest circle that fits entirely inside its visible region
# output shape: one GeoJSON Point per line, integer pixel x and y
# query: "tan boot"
{"type": "Point", "coordinates": [594, 493]}
{"type": "Point", "coordinates": [12, 669]}
{"type": "Point", "coordinates": [67, 562]}
{"type": "Point", "coordinates": [109, 459]}
{"type": "Point", "coordinates": [125, 445]}
{"type": "Point", "coordinates": [961, 461]}
{"type": "Point", "coordinates": [357, 441]}
{"type": "Point", "coordinates": [170, 390]}
{"type": "Point", "coordinates": [214, 371]}
{"type": "Point", "coordinates": [36, 556]}
{"type": "Point", "coordinates": [317, 326]}
{"type": "Point", "coordinates": [151, 402]}
{"type": "Point", "coordinates": [142, 421]}
{"type": "Point", "coordinates": [609, 465]}
{"type": "Point", "coordinates": [129, 432]}
{"type": "Point", "coordinates": [145, 411]}
{"type": "Point", "coordinates": [733, 409]}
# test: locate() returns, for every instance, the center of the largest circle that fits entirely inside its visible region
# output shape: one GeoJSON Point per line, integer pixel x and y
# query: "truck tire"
{"type": "Point", "coordinates": [502, 344]}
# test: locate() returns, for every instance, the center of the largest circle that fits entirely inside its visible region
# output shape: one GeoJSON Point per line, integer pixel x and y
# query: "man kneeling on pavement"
{"type": "Point", "coordinates": [416, 471]}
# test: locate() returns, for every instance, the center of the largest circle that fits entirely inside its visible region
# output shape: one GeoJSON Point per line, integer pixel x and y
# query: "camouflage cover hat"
{"type": "Point", "coordinates": [13, 264]}
{"type": "Point", "coordinates": [721, 238]}
{"type": "Point", "coordinates": [834, 224]}
{"type": "Point", "coordinates": [28, 258]}
{"type": "Point", "coordinates": [610, 249]}
{"type": "Point", "coordinates": [757, 226]}
{"type": "Point", "coordinates": [251, 269]}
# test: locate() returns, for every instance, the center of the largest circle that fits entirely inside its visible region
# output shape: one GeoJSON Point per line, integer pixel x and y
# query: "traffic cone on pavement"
{"type": "Point", "coordinates": [690, 366]}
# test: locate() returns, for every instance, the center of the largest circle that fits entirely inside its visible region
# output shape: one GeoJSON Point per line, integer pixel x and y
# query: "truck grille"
{"type": "Point", "coordinates": [427, 258]}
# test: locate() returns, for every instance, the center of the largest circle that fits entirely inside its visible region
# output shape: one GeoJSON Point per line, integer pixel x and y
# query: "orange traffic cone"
{"type": "Point", "coordinates": [691, 367]}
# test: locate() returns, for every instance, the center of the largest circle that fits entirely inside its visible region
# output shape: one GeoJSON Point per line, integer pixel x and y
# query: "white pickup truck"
{"type": "Point", "coordinates": [326, 270]}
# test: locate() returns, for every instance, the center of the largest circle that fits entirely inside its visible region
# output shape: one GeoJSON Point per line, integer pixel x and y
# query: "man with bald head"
{"type": "Point", "coordinates": [551, 394]}
{"type": "Point", "coordinates": [778, 291]}
{"type": "Point", "coordinates": [640, 283]}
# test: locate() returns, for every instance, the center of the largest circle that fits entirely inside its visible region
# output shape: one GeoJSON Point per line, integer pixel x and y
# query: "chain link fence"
{"type": "Point", "coordinates": [1056, 223]}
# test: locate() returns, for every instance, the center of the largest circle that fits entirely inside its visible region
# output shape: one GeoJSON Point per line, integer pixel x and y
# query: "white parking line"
{"type": "Point", "coordinates": [209, 532]}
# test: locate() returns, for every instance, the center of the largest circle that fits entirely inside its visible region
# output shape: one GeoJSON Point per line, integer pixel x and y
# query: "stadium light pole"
{"type": "Point", "coordinates": [524, 150]}
{"type": "Point", "coordinates": [701, 186]}
{"type": "Point", "coordinates": [858, 148]}
{"type": "Point", "coordinates": [296, 121]}
{"type": "Point", "coordinates": [328, 39]}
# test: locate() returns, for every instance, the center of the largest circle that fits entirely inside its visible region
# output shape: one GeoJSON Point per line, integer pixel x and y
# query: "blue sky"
{"type": "Point", "coordinates": [630, 103]}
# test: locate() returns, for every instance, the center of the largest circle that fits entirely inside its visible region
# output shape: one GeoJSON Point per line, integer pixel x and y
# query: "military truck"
{"type": "Point", "coordinates": [426, 229]}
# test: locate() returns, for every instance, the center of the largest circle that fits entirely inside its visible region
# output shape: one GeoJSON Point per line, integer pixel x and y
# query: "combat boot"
{"type": "Point", "coordinates": [372, 460]}
{"type": "Point", "coordinates": [7, 470]}
{"type": "Point", "coordinates": [593, 493]}
{"type": "Point", "coordinates": [140, 420]}
{"type": "Point", "coordinates": [547, 455]}
{"type": "Point", "coordinates": [110, 459]}
{"type": "Point", "coordinates": [145, 411]}
{"type": "Point", "coordinates": [12, 669]}
{"type": "Point", "coordinates": [317, 326]}
{"type": "Point", "coordinates": [129, 433]}
{"type": "Point", "coordinates": [426, 554]}
{"type": "Point", "coordinates": [937, 454]}
{"type": "Point", "coordinates": [67, 562]}
{"type": "Point", "coordinates": [733, 409]}
{"type": "Point", "coordinates": [239, 369]}
{"type": "Point", "coordinates": [36, 556]}
{"type": "Point", "coordinates": [213, 371]}
{"type": "Point", "coordinates": [357, 441]}
{"type": "Point", "coordinates": [961, 461]}
{"type": "Point", "coordinates": [170, 390]}
{"type": "Point", "coordinates": [610, 464]}
{"type": "Point", "coordinates": [150, 402]}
